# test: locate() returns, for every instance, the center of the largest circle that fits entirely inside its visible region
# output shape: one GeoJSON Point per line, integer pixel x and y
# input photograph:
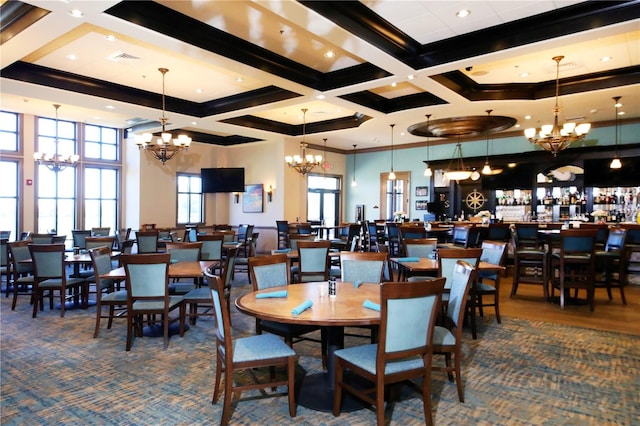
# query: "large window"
{"type": "Point", "coordinates": [100, 198]}
{"type": "Point", "coordinates": [190, 205]}
{"type": "Point", "coordinates": [323, 199]}
{"type": "Point", "coordinates": [8, 131]}
{"type": "Point", "coordinates": [9, 198]}
{"type": "Point", "coordinates": [395, 197]}
{"type": "Point", "coordinates": [100, 143]}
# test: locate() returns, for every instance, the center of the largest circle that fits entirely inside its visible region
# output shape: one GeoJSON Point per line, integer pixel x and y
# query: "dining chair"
{"type": "Point", "coordinates": [419, 247]}
{"type": "Point", "coordinates": [5, 268]}
{"type": "Point", "coordinates": [499, 231]}
{"type": "Point", "coordinates": [106, 293]}
{"type": "Point", "coordinates": [575, 264]}
{"type": "Point", "coordinates": [78, 236]}
{"type": "Point", "coordinates": [95, 242]}
{"type": "Point", "coordinates": [492, 252]}
{"type": "Point", "coordinates": [147, 241]}
{"type": "Point", "coordinates": [147, 286]}
{"type": "Point", "coordinates": [22, 279]}
{"type": "Point", "coordinates": [294, 238]}
{"type": "Point", "coordinates": [408, 313]}
{"type": "Point", "coordinates": [372, 236]}
{"type": "Point", "coordinates": [246, 354]}
{"type": "Point", "coordinates": [447, 338]}
{"type": "Point", "coordinates": [313, 262]}
{"type": "Point", "coordinates": [201, 297]}
{"type": "Point", "coordinates": [41, 238]}
{"type": "Point", "coordinates": [447, 261]}
{"type": "Point", "coordinates": [411, 232]}
{"type": "Point", "coordinates": [366, 267]}
{"type": "Point", "coordinates": [184, 252]}
{"type": "Point", "coordinates": [274, 271]}
{"type": "Point", "coordinates": [530, 258]}
{"type": "Point", "coordinates": [282, 226]}
{"type": "Point", "coordinates": [601, 237]}
{"type": "Point", "coordinates": [392, 237]}
{"type": "Point", "coordinates": [212, 249]}
{"type": "Point", "coordinates": [228, 235]}
{"type": "Point", "coordinates": [346, 239]}
{"type": "Point", "coordinates": [612, 263]}
{"type": "Point", "coordinates": [245, 232]}
{"type": "Point", "coordinates": [50, 275]}
{"type": "Point", "coordinates": [101, 231]}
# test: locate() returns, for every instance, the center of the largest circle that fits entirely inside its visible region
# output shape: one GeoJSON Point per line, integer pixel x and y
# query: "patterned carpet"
{"type": "Point", "coordinates": [516, 373]}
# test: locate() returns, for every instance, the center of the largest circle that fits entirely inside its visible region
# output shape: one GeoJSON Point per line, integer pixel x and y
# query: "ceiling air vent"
{"type": "Point", "coordinates": [122, 57]}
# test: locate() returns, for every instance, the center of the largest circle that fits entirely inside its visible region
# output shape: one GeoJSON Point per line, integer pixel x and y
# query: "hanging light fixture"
{"type": "Point", "coordinates": [392, 175]}
{"type": "Point", "coordinates": [487, 170]}
{"type": "Point", "coordinates": [427, 170]}
{"type": "Point", "coordinates": [459, 172]}
{"type": "Point", "coordinates": [616, 163]}
{"type": "Point", "coordinates": [304, 162]}
{"type": "Point", "coordinates": [166, 147]}
{"type": "Point", "coordinates": [552, 137]}
{"type": "Point", "coordinates": [353, 182]}
{"type": "Point", "coordinates": [56, 162]}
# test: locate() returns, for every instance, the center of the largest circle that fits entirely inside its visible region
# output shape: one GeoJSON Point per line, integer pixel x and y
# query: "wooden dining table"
{"type": "Point", "coordinates": [176, 270]}
{"type": "Point", "coordinates": [425, 264]}
{"type": "Point", "coordinates": [346, 309]}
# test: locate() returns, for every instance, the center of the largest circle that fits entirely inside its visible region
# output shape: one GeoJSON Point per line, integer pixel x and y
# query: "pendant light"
{"type": "Point", "coordinates": [486, 170]}
{"type": "Point", "coordinates": [456, 170]}
{"type": "Point", "coordinates": [353, 182]}
{"type": "Point", "coordinates": [392, 175]}
{"type": "Point", "coordinates": [427, 170]}
{"type": "Point", "coordinates": [616, 163]}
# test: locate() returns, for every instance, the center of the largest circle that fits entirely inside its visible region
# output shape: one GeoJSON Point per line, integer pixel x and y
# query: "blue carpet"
{"type": "Point", "coordinates": [516, 373]}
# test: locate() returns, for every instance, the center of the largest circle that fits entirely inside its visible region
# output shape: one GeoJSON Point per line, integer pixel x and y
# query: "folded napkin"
{"type": "Point", "coordinates": [302, 307]}
{"type": "Point", "coordinates": [279, 293]}
{"type": "Point", "coordinates": [371, 305]}
{"type": "Point", "coordinates": [357, 284]}
{"type": "Point", "coordinates": [408, 259]}
{"type": "Point", "coordinates": [288, 250]}
{"type": "Point", "coordinates": [174, 261]}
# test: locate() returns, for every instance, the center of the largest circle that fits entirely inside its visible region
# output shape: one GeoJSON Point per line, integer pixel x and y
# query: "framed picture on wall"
{"type": "Point", "coordinates": [421, 205]}
{"type": "Point", "coordinates": [422, 191]}
{"type": "Point", "coordinates": [252, 198]}
{"type": "Point", "coordinates": [359, 212]}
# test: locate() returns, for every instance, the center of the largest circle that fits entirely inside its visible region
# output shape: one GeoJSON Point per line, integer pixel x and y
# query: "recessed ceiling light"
{"type": "Point", "coordinates": [463, 13]}
{"type": "Point", "coordinates": [605, 58]}
{"type": "Point", "coordinates": [517, 125]}
{"type": "Point", "coordinates": [394, 84]}
{"type": "Point", "coordinates": [621, 113]}
{"type": "Point", "coordinates": [329, 54]}
{"type": "Point", "coordinates": [239, 79]}
{"type": "Point", "coordinates": [198, 90]}
{"type": "Point", "coordinates": [524, 74]}
{"type": "Point", "coordinates": [110, 107]}
{"type": "Point", "coordinates": [511, 165]}
{"type": "Point", "coordinates": [76, 13]}
{"type": "Point", "coordinates": [320, 97]}
{"type": "Point", "coordinates": [111, 37]}
{"type": "Point", "coordinates": [527, 117]}
{"type": "Point", "coordinates": [194, 123]}
{"type": "Point", "coordinates": [411, 77]}
{"type": "Point", "coordinates": [72, 57]}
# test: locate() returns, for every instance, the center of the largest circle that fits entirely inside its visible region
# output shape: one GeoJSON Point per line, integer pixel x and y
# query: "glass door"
{"type": "Point", "coordinates": [323, 199]}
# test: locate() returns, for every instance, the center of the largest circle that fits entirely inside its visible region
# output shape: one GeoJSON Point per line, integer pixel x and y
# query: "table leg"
{"type": "Point", "coordinates": [316, 390]}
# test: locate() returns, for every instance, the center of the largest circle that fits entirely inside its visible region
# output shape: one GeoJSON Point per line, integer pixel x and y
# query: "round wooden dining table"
{"type": "Point", "coordinates": [334, 313]}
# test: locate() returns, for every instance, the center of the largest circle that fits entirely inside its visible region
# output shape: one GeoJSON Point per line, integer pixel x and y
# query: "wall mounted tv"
{"type": "Point", "coordinates": [229, 179]}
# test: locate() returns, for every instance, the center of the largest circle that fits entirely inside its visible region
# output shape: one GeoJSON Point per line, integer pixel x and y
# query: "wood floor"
{"type": "Point", "coordinates": [610, 315]}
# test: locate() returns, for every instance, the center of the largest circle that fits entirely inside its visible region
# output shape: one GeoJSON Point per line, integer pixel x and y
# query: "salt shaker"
{"type": "Point", "coordinates": [332, 287]}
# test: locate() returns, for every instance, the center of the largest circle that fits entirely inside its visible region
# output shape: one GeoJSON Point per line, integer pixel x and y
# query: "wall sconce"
{"type": "Point", "coordinates": [236, 197]}
{"type": "Point", "coordinates": [270, 194]}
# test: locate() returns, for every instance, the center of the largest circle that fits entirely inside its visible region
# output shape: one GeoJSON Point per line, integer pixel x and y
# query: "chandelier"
{"type": "Point", "coordinates": [304, 162]}
{"type": "Point", "coordinates": [616, 163]}
{"type": "Point", "coordinates": [166, 146]}
{"type": "Point", "coordinates": [56, 162]}
{"type": "Point", "coordinates": [459, 172]}
{"type": "Point", "coordinates": [552, 137]}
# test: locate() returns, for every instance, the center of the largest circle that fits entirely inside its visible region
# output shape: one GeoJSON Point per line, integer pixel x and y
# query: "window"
{"type": "Point", "coordinates": [100, 143]}
{"type": "Point", "coordinates": [190, 199]}
{"type": "Point", "coordinates": [323, 199]}
{"type": "Point", "coordinates": [8, 131]}
{"type": "Point", "coordinates": [395, 196]}
{"type": "Point", "coordinates": [9, 198]}
{"type": "Point", "coordinates": [100, 198]}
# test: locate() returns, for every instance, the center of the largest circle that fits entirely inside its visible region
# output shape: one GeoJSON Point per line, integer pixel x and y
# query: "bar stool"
{"type": "Point", "coordinates": [612, 260]}
{"type": "Point", "coordinates": [530, 258]}
{"type": "Point", "coordinates": [283, 233]}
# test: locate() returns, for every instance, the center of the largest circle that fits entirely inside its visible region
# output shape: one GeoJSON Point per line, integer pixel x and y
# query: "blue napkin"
{"type": "Point", "coordinates": [371, 305]}
{"type": "Point", "coordinates": [174, 261]}
{"type": "Point", "coordinates": [279, 293]}
{"type": "Point", "coordinates": [357, 284]}
{"type": "Point", "coordinates": [282, 251]}
{"type": "Point", "coordinates": [408, 259]}
{"type": "Point", "coordinates": [302, 307]}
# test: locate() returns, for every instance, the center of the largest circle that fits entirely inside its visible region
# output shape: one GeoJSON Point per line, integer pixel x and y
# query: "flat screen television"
{"type": "Point", "coordinates": [229, 179]}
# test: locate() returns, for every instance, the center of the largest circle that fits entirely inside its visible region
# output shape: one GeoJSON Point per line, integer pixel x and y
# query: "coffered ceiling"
{"type": "Point", "coordinates": [242, 71]}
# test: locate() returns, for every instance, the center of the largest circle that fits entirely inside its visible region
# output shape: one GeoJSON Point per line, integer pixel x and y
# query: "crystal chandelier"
{"type": "Point", "coordinates": [552, 137]}
{"type": "Point", "coordinates": [56, 162]}
{"type": "Point", "coordinates": [166, 146]}
{"type": "Point", "coordinates": [459, 172]}
{"type": "Point", "coordinates": [304, 162]}
{"type": "Point", "coordinates": [616, 163]}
